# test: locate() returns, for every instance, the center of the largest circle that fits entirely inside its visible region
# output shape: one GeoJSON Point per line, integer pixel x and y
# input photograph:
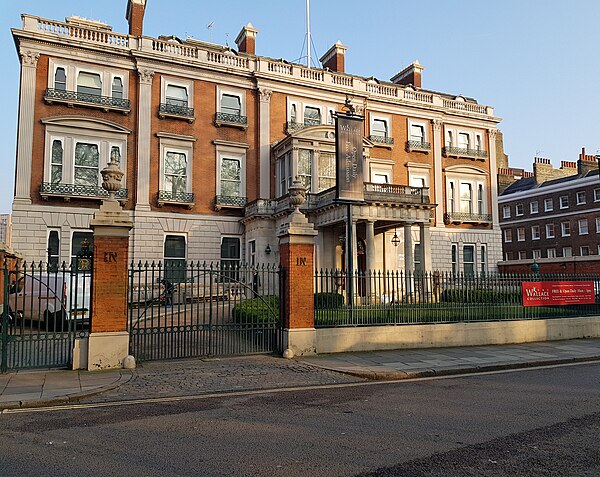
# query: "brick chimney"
{"type": "Point", "coordinates": [542, 170]}
{"type": "Point", "coordinates": [246, 40]}
{"type": "Point", "coordinates": [334, 58]}
{"type": "Point", "coordinates": [135, 16]}
{"type": "Point", "coordinates": [586, 163]}
{"type": "Point", "coordinates": [409, 75]}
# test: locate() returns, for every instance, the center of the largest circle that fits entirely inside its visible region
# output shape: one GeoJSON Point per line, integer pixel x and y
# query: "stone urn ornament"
{"type": "Point", "coordinates": [297, 193]}
{"type": "Point", "coordinates": [111, 179]}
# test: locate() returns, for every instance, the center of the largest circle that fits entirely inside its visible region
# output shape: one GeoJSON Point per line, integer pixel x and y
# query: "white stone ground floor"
{"type": "Point", "coordinates": [43, 230]}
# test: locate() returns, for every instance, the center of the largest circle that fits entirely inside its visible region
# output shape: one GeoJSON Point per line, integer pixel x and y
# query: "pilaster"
{"type": "Point", "coordinates": [264, 145]}
{"type": "Point", "coordinates": [437, 145]}
{"type": "Point", "coordinates": [493, 179]}
{"type": "Point", "coordinates": [144, 131]}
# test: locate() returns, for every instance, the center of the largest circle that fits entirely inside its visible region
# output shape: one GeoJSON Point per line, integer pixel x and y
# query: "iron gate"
{"type": "Point", "coordinates": [180, 310]}
{"type": "Point", "coordinates": [44, 308]}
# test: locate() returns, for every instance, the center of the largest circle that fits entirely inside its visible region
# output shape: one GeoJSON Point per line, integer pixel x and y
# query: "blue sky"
{"type": "Point", "coordinates": [535, 61]}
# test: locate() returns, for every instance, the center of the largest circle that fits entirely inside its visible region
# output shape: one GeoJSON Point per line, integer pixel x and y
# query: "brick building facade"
{"type": "Point", "coordinates": [552, 216]}
{"type": "Point", "coordinates": [210, 139]}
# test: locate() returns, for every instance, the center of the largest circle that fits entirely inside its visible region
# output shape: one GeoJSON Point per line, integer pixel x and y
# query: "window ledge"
{"type": "Point", "coordinates": [418, 146]}
{"type": "Point", "coordinates": [475, 154]}
{"type": "Point", "coordinates": [76, 191]}
{"type": "Point", "coordinates": [230, 202]}
{"type": "Point", "coordinates": [183, 198]}
{"type": "Point", "coordinates": [231, 120]}
{"type": "Point", "coordinates": [176, 112]}
{"type": "Point", "coordinates": [72, 98]}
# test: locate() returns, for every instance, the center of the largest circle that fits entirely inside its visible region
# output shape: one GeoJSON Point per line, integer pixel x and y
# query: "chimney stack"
{"type": "Point", "coordinates": [334, 58]}
{"type": "Point", "coordinates": [135, 16]}
{"type": "Point", "coordinates": [246, 40]}
{"type": "Point", "coordinates": [409, 75]}
{"type": "Point", "coordinates": [586, 163]}
{"type": "Point", "coordinates": [542, 170]}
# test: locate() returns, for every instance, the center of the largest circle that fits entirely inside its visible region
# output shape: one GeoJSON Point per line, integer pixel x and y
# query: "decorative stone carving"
{"type": "Point", "coordinates": [146, 76]}
{"type": "Point", "coordinates": [437, 124]}
{"type": "Point", "coordinates": [492, 133]}
{"type": "Point", "coordinates": [265, 94]}
{"type": "Point", "coordinates": [297, 193]}
{"type": "Point", "coordinates": [111, 179]}
{"type": "Point", "coordinates": [30, 58]}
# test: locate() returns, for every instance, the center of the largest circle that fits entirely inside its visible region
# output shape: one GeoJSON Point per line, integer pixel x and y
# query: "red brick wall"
{"type": "Point", "coordinates": [570, 267]}
{"type": "Point", "coordinates": [109, 291]}
{"type": "Point", "coordinates": [299, 287]}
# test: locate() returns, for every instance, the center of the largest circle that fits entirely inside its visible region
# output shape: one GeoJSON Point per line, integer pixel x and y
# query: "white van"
{"type": "Point", "coordinates": [59, 300]}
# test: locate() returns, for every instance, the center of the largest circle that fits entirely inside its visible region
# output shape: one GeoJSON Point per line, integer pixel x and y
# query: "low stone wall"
{"type": "Point", "coordinates": [372, 338]}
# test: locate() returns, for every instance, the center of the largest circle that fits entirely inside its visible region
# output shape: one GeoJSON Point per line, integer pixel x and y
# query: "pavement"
{"type": "Point", "coordinates": [195, 377]}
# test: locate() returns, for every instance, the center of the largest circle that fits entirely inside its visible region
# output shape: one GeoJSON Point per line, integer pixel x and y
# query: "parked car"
{"type": "Point", "coordinates": [59, 300]}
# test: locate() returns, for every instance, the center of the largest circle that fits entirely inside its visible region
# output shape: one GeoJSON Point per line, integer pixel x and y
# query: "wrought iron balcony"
{"type": "Point", "coordinates": [293, 126]}
{"type": "Point", "coordinates": [176, 111]}
{"type": "Point", "coordinates": [71, 191]}
{"type": "Point", "coordinates": [228, 119]}
{"type": "Point", "coordinates": [181, 198]}
{"type": "Point", "coordinates": [229, 201]}
{"type": "Point", "coordinates": [378, 139]}
{"type": "Point", "coordinates": [311, 122]}
{"type": "Point", "coordinates": [86, 99]}
{"type": "Point", "coordinates": [466, 217]}
{"type": "Point", "coordinates": [462, 152]}
{"type": "Point", "coordinates": [394, 193]}
{"type": "Point", "coordinates": [420, 146]}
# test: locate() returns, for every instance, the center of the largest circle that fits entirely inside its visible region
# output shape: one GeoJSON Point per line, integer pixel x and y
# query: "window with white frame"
{"type": "Point", "coordinates": [56, 161]}
{"type": "Point", "coordinates": [480, 203]}
{"type": "Point", "coordinates": [551, 253]}
{"type": "Point", "coordinates": [548, 205]}
{"type": "Point", "coordinates": [449, 139]}
{"type": "Point", "coordinates": [417, 133]}
{"type": "Point", "coordinates": [519, 209]}
{"type": "Point", "coordinates": [175, 258]}
{"type": "Point", "coordinates": [464, 141]}
{"type": "Point", "coordinates": [284, 172]}
{"type": "Point", "coordinates": [89, 83]}
{"type": "Point", "coordinates": [596, 195]}
{"type": "Point", "coordinates": [466, 191]}
{"type": "Point", "coordinates": [78, 240]}
{"type": "Point", "coordinates": [252, 253]}
{"type": "Point", "coordinates": [53, 249]}
{"type": "Point", "coordinates": [452, 197]}
{"type": "Point", "coordinates": [535, 232]}
{"type": "Point", "coordinates": [565, 229]}
{"type": "Point", "coordinates": [583, 226]}
{"type": "Point", "coordinates": [537, 254]}
{"type": "Point", "coordinates": [506, 212]}
{"type": "Point", "coordinates": [176, 95]}
{"type": "Point", "coordinates": [60, 79]}
{"type": "Point", "coordinates": [86, 163]}
{"type": "Point", "coordinates": [305, 159]}
{"type": "Point", "coordinates": [522, 255]}
{"type": "Point", "coordinates": [533, 207]}
{"type": "Point", "coordinates": [599, 249]}
{"type": "Point", "coordinates": [580, 197]}
{"type": "Point", "coordinates": [468, 260]}
{"type": "Point", "coordinates": [564, 201]}
{"type": "Point", "coordinates": [379, 128]}
{"type": "Point", "coordinates": [454, 257]}
{"type": "Point", "coordinates": [549, 230]}
{"type": "Point", "coordinates": [231, 104]}
{"type": "Point", "coordinates": [478, 142]}
{"type": "Point", "coordinates": [483, 259]}
{"type": "Point", "coordinates": [584, 251]}
{"type": "Point", "coordinates": [312, 116]}
{"type": "Point", "coordinates": [380, 173]}
{"type": "Point", "coordinates": [598, 225]}
{"type": "Point", "coordinates": [466, 197]}
{"type": "Point", "coordinates": [326, 170]}
{"type": "Point", "coordinates": [175, 177]}
{"type": "Point", "coordinates": [507, 235]}
{"type": "Point", "coordinates": [117, 87]}
{"type": "Point", "coordinates": [508, 256]}
{"type": "Point", "coordinates": [231, 172]}
{"type": "Point", "coordinates": [293, 113]}
{"type": "Point", "coordinates": [230, 254]}
{"type": "Point", "coordinates": [521, 234]}
{"type": "Point", "coordinates": [176, 159]}
{"type": "Point", "coordinates": [567, 252]}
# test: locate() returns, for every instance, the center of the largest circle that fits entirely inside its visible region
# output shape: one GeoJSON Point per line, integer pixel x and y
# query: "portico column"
{"type": "Point", "coordinates": [437, 145]}
{"type": "Point", "coordinates": [144, 132]}
{"type": "Point", "coordinates": [264, 115]}
{"type": "Point", "coordinates": [425, 239]}
{"type": "Point", "coordinates": [370, 236]}
{"type": "Point", "coordinates": [27, 98]}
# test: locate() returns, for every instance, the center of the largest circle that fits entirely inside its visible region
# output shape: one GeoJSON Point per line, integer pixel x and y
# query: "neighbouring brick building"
{"type": "Point", "coordinates": [210, 139]}
{"type": "Point", "coordinates": [551, 216]}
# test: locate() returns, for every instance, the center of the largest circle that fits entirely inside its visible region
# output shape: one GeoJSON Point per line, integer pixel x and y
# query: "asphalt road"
{"type": "Point", "coordinates": [537, 422]}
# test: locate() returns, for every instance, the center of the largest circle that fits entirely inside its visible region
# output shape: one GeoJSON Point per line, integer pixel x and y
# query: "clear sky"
{"type": "Point", "coordinates": [536, 61]}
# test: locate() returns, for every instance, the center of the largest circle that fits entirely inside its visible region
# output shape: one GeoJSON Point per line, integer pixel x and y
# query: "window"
{"type": "Point", "coordinates": [175, 173]}
{"type": "Point", "coordinates": [56, 162]}
{"type": "Point", "coordinates": [417, 133]}
{"type": "Point", "coordinates": [521, 234]}
{"type": "Point", "coordinates": [549, 230]}
{"type": "Point", "coordinates": [478, 143]}
{"type": "Point", "coordinates": [115, 154]}
{"type": "Point", "coordinates": [548, 205]}
{"type": "Point", "coordinates": [454, 252]}
{"type": "Point", "coordinates": [231, 104]}
{"type": "Point", "coordinates": [480, 199]}
{"type": "Point", "coordinates": [285, 172]}
{"type": "Point", "coordinates": [535, 232]}
{"type": "Point", "coordinates": [537, 254]}
{"type": "Point", "coordinates": [379, 128]}
{"type": "Point", "coordinates": [583, 226]}
{"type": "Point", "coordinates": [380, 177]}
{"type": "Point", "coordinates": [417, 258]}
{"type": "Point", "coordinates": [564, 201]}
{"type": "Point", "coordinates": [117, 88]}
{"type": "Point", "coordinates": [508, 256]}
{"type": "Point", "coordinates": [565, 229]}
{"type": "Point", "coordinates": [252, 253]}
{"type": "Point", "coordinates": [506, 212]}
{"type": "Point", "coordinates": [463, 141]}
{"type": "Point", "coordinates": [77, 242]}
{"type": "Point", "coordinates": [230, 257]}
{"type": "Point", "coordinates": [551, 253]}
{"type": "Point", "coordinates": [507, 235]}
{"type": "Point", "coordinates": [584, 251]}
{"type": "Point", "coordinates": [567, 252]}
{"type": "Point", "coordinates": [175, 253]}
{"type": "Point", "coordinates": [533, 207]}
{"type": "Point", "coordinates": [483, 259]}
{"type": "Point", "coordinates": [326, 171]}
{"type": "Point", "coordinates": [452, 198]}
{"type": "Point", "coordinates": [89, 83]}
{"type": "Point", "coordinates": [312, 116]}
{"type": "Point", "coordinates": [305, 157]}
{"type": "Point", "coordinates": [522, 255]}
{"type": "Point", "coordinates": [87, 160]}
{"type": "Point", "coordinates": [53, 250]}
{"type": "Point", "coordinates": [449, 139]}
{"type": "Point", "coordinates": [231, 177]}
{"type": "Point", "coordinates": [466, 198]}
{"type": "Point", "coordinates": [596, 195]}
{"type": "Point", "coordinates": [176, 95]}
{"type": "Point", "coordinates": [519, 209]}
{"type": "Point", "coordinates": [60, 79]}
{"type": "Point", "coordinates": [598, 225]}
{"type": "Point", "coordinates": [469, 260]}
{"type": "Point", "coordinates": [581, 197]}
{"type": "Point", "coordinates": [293, 113]}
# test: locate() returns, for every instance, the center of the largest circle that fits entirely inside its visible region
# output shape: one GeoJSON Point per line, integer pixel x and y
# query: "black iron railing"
{"type": "Point", "coordinates": [230, 201]}
{"type": "Point", "coordinates": [179, 197]}
{"type": "Point", "coordinates": [228, 118]}
{"type": "Point", "coordinates": [377, 139]}
{"type": "Point", "coordinates": [463, 217]}
{"type": "Point", "coordinates": [77, 190]}
{"type": "Point", "coordinates": [60, 95]}
{"type": "Point", "coordinates": [418, 146]}
{"type": "Point", "coordinates": [165, 109]}
{"type": "Point", "coordinates": [462, 152]}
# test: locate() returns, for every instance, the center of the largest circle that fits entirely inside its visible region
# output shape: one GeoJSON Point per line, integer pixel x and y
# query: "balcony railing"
{"type": "Point", "coordinates": [386, 140]}
{"type": "Point", "coordinates": [394, 193]}
{"type": "Point", "coordinates": [182, 198]}
{"type": "Point", "coordinates": [86, 99]}
{"type": "Point", "coordinates": [229, 201]}
{"type": "Point", "coordinates": [68, 191]}
{"type": "Point", "coordinates": [175, 111]}
{"type": "Point", "coordinates": [462, 152]}
{"type": "Point", "coordinates": [420, 146]}
{"type": "Point", "coordinates": [466, 217]}
{"type": "Point", "coordinates": [293, 126]}
{"type": "Point", "coordinates": [228, 119]}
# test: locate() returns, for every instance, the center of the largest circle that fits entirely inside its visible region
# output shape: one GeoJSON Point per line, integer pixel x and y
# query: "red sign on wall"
{"type": "Point", "coordinates": [557, 293]}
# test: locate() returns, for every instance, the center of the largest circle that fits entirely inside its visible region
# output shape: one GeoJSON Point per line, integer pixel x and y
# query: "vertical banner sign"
{"type": "Point", "coordinates": [349, 158]}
